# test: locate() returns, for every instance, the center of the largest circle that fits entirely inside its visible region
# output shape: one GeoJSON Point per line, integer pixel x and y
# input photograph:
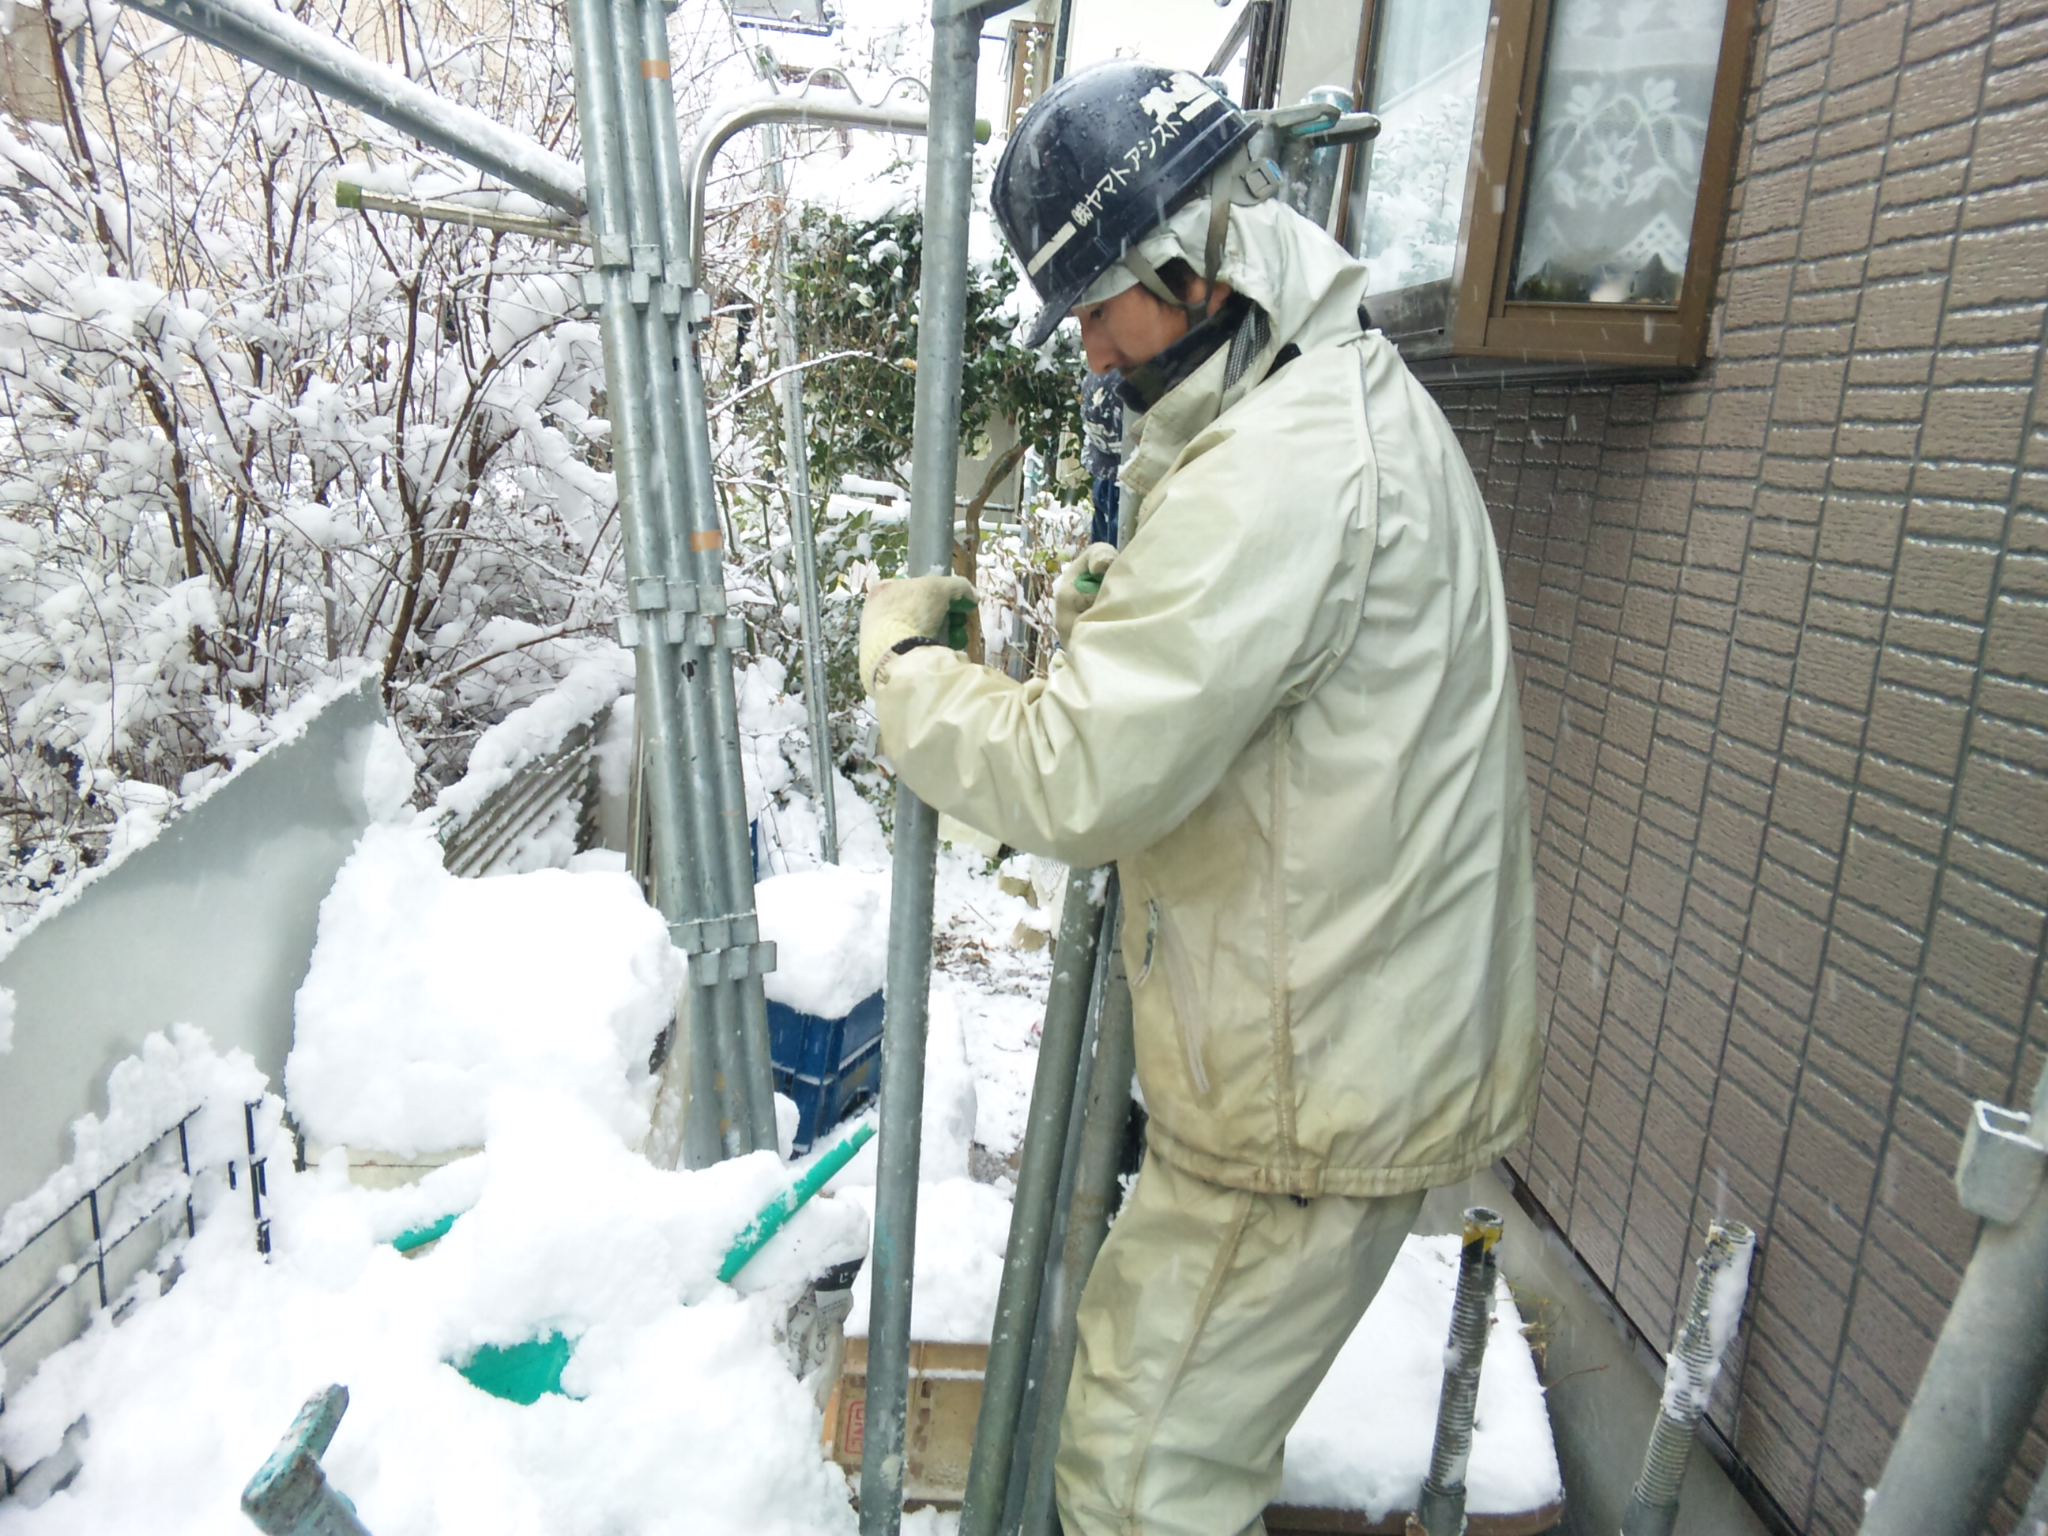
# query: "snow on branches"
{"type": "Point", "coordinates": [246, 439]}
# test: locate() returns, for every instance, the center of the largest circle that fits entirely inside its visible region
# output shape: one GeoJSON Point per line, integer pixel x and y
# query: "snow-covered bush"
{"type": "Point", "coordinates": [248, 440]}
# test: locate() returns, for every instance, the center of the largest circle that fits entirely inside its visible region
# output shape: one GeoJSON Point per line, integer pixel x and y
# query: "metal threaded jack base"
{"type": "Point", "coordinates": [1441, 1509]}
{"type": "Point", "coordinates": [1689, 1374]}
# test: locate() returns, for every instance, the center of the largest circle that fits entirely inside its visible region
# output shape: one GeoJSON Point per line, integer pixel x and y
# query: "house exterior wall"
{"type": "Point", "coordinates": [1783, 638]}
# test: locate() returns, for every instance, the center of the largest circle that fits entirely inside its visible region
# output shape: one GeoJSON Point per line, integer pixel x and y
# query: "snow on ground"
{"type": "Point", "coordinates": [514, 1015]}
{"type": "Point", "coordinates": [428, 994]}
{"type": "Point", "coordinates": [1364, 1441]}
{"type": "Point", "coordinates": [420, 983]}
{"type": "Point", "coordinates": [568, 1230]}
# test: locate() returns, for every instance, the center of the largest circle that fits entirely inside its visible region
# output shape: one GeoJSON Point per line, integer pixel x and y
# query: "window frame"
{"type": "Point", "coordinates": [1465, 325]}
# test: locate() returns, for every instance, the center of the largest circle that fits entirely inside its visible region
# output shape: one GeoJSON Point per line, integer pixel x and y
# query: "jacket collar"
{"type": "Point", "coordinates": [1304, 290]}
{"type": "Point", "coordinates": [1236, 364]}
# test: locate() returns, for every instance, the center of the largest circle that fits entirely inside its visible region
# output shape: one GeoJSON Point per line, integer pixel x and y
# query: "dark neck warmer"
{"type": "Point", "coordinates": [1147, 384]}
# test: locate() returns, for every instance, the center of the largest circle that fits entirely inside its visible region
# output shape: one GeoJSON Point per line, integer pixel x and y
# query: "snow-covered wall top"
{"type": "Point", "coordinates": [211, 923]}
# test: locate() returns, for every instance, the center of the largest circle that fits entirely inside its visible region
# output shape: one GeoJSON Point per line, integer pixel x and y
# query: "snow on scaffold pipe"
{"type": "Point", "coordinates": [1441, 1509]}
{"type": "Point", "coordinates": [276, 41]}
{"type": "Point", "coordinates": [1719, 1286]}
{"type": "Point", "coordinates": [934, 458]}
{"type": "Point", "coordinates": [1985, 1379]}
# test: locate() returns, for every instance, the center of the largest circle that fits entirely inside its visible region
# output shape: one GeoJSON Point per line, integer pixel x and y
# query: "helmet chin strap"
{"type": "Point", "coordinates": [1196, 310]}
{"type": "Point", "coordinates": [1244, 178]}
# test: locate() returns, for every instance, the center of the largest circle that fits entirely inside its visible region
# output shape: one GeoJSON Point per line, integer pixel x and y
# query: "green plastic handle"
{"type": "Point", "coordinates": [1088, 583]}
{"type": "Point", "coordinates": [777, 1212]}
{"type": "Point", "coordinates": [956, 622]}
{"type": "Point", "coordinates": [418, 1237]}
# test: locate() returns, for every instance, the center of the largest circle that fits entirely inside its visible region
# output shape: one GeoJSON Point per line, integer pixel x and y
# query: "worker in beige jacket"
{"type": "Point", "coordinates": [1289, 719]}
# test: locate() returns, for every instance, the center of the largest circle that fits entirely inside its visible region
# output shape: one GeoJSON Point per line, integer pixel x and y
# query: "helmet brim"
{"type": "Point", "coordinates": [1048, 319]}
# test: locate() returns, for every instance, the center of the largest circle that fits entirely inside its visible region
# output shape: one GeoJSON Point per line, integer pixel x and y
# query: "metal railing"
{"type": "Point", "coordinates": [558, 783]}
{"type": "Point", "coordinates": [93, 1264]}
{"type": "Point", "coordinates": [113, 1223]}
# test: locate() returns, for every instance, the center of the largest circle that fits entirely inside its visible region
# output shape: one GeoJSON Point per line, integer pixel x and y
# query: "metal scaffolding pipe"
{"type": "Point", "coordinates": [942, 307]}
{"type": "Point", "coordinates": [650, 138]}
{"type": "Point", "coordinates": [730, 854]}
{"type": "Point", "coordinates": [805, 111]}
{"type": "Point", "coordinates": [274, 40]}
{"type": "Point", "coordinates": [347, 194]}
{"type": "Point", "coordinates": [656, 662]}
{"type": "Point", "coordinates": [1989, 1368]}
{"type": "Point", "coordinates": [771, 113]}
{"type": "Point", "coordinates": [1320, 195]}
{"type": "Point", "coordinates": [682, 201]}
{"type": "Point", "coordinates": [1032, 1216]}
{"type": "Point", "coordinates": [803, 533]}
{"type": "Point", "coordinates": [1441, 1509]}
{"type": "Point", "coordinates": [1052, 1295]}
{"type": "Point", "coordinates": [1718, 1288]}
{"type": "Point", "coordinates": [1106, 1112]}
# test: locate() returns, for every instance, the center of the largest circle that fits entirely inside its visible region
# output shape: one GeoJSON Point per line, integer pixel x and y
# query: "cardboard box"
{"type": "Point", "coordinates": [938, 1441]}
{"type": "Point", "coordinates": [938, 1431]}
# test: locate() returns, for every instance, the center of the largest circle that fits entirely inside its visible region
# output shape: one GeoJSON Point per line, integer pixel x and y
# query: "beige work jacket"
{"type": "Point", "coordinates": [1290, 720]}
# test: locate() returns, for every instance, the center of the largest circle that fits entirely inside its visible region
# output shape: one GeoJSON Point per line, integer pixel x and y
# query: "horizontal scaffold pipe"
{"type": "Point", "coordinates": [273, 40]}
{"type": "Point", "coordinates": [804, 111]}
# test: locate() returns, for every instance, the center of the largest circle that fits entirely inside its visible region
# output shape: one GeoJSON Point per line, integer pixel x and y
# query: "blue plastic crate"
{"type": "Point", "coordinates": [817, 1048]}
{"type": "Point", "coordinates": [823, 1101]}
{"type": "Point", "coordinates": [830, 1067]}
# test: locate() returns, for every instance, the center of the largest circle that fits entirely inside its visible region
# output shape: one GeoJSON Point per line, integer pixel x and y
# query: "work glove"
{"type": "Point", "coordinates": [1074, 593]}
{"type": "Point", "coordinates": [931, 610]}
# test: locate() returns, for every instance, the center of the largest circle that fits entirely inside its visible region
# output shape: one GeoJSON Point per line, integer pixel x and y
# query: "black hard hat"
{"type": "Point", "coordinates": [1098, 163]}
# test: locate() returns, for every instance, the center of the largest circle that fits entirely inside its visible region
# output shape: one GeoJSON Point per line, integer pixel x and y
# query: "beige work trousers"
{"type": "Point", "coordinates": [1210, 1318]}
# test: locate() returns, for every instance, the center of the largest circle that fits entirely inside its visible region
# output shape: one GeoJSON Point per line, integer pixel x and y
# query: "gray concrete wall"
{"type": "Point", "coordinates": [212, 924]}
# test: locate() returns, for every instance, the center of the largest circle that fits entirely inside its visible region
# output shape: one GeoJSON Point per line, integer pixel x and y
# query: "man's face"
{"type": "Point", "coordinates": [1128, 330]}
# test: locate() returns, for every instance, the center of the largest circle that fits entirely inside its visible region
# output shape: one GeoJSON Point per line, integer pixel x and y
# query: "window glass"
{"type": "Point", "coordinates": [1621, 126]}
{"type": "Point", "coordinates": [1410, 191]}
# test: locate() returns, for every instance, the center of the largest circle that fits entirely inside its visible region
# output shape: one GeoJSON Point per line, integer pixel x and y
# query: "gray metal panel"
{"type": "Point", "coordinates": [211, 924]}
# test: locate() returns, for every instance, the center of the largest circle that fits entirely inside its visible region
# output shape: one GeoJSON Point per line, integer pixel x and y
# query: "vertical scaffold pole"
{"type": "Point", "coordinates": [942, 297]}
{"type": "Point", "coordinates": [803, 533]}
{"type": "Point", "coordinates": [712, 1003]}
{"type": "Point", "coordinates": [1033, 1218]}
{"type": "Point", "coordinates": [1441, 1509]}
{"type": "Point", "coordinates": [657, 663]}
{"type": "Point", "coordinates": [1103, 1104]}
{"type": "Point", "coordinates": [732, 944]}
{"type": "Point", "coordinates": [1985, 1380]}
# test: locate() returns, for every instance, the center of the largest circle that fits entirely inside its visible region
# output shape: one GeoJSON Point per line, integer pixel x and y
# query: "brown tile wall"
{"type": "Point", "coordinates": [1784, 641]}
